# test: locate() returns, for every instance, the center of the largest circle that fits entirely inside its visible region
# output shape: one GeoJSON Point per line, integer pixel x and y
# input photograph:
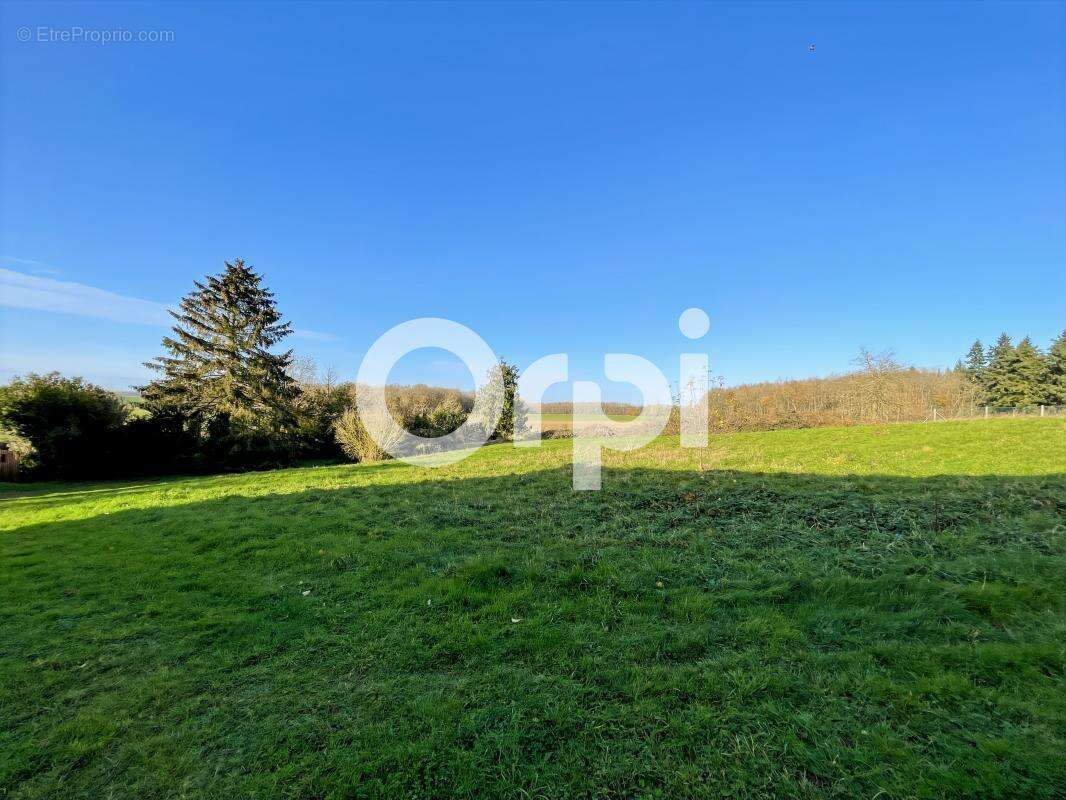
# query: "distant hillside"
{"type": "Point", "coordinates": [881, 391]}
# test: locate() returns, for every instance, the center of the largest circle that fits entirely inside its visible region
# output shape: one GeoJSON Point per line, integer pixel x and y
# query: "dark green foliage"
{"type": "Point", "coordinates": [317, 409]}
{"type": "Point", "coordinates": [72, 425]}
{"type": "Point", "coordinates": [1056, 370]}
{"type": "Point", "coordinates": [150, 446]}
{"type": "Point", "coordinates": [975, 364]}
{"type": "Point", "coordinates": [1001, 384]}
{"type": "Point", "coordinates": [1019, 376]}
{"type": "Point", "coordinates": [1031, 374]}
{"type": "Point", "coordinates": [220, 379]}
{"type": "Point", "coordinates": [219, 362]}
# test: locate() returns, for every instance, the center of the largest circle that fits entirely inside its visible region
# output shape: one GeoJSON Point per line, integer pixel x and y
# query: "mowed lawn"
{"type": "Point", "coordinates": [868, 611]}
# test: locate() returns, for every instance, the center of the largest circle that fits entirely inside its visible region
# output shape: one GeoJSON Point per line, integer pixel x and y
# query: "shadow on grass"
{"type": "Point", "coordinates": [689, 634]}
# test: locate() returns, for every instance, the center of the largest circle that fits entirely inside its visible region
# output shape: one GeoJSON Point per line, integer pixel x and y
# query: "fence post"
{"type": "Point", "coordinates": [986, 412]}
{"type": "Point", "coordinates": [9, 464]}
{"type": "Point", "coordinates": [1041, 411]}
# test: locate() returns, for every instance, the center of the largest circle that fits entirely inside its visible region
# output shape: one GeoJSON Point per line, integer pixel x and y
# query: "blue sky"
{"type": "Point", "coordinates": [561, 178]}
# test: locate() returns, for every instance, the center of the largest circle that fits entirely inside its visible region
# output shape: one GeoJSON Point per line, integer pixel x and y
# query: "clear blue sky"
{"type": "Point", "coordinates": [561, 178]}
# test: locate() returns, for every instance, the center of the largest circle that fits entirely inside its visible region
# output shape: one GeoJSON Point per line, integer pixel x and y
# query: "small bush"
{"type": "Point", "coordinates": [73, 426]}
{"type": "Point", "coordinates": [417, 412]}
{"type": "Point", "coordinates": [446, 417]}
{"type": "Point", "coordinates": [148, 446]}
{"type": "Point", "coordinates": [317, 409]}
{"type": "Point", "coordinates": [355, 440]}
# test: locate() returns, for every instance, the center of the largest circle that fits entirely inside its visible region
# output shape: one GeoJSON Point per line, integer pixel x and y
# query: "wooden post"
{"type": "Point", "coordinates": [1041, 411]}
{"type": "Point", "coordinates": [9, 464]}
{"type": "Point", "coordinates": [986, 412]}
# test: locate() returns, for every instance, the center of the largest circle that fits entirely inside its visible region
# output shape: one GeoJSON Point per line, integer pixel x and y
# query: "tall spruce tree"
{"type": "Point", "coordinates": [219, 370]}
{"type": "Point", "coordinates": [1000, 386]}
{"type": "Point", "coordinates": [1055, 377]}
{"type": "Point", "coordinates": [975, 364]}
{"type": "Point", "coordinates": [1030, 374]}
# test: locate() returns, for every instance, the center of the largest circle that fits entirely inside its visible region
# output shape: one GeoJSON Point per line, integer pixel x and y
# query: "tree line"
{"type": "Point", "coordinates": [879, 389]}
{"type": "Point", "coordinates": [1019, 375]}
{"type": "Point", "coordinates": [223, 399]}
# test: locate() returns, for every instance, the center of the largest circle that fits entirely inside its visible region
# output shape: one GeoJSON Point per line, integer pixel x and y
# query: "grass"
{"type": "Point", "coordinates": [873, 611]}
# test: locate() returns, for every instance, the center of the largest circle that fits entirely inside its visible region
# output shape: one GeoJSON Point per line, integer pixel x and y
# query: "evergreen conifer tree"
{"type": "Point", "coordinates": [1055, 376]}
{"type": "Point", "coordinates": [219, 369]}
{"type": "Point", "coordinates": [999, 385]}
{"type": "Point", "coordinates": [1030, 374]}
{"type": "Point", "coordinates": [974, 367]}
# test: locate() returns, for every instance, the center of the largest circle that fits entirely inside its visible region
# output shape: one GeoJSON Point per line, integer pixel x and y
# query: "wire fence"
{"type": "Point", "coordinates": [996, 412]}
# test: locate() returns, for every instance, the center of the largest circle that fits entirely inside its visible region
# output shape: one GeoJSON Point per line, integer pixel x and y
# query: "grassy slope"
{"type": "Point", "coordinates": [830, 612]}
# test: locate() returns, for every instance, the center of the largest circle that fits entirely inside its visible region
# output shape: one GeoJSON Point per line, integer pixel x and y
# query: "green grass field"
{"type": "Point", "coordinates": [869, 611]}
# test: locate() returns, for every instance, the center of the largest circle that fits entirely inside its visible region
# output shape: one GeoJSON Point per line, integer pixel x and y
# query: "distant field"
{"type": "Point", "coordinates": [835, 612]}
{"type": "Point", "coordinates": [553, 422]}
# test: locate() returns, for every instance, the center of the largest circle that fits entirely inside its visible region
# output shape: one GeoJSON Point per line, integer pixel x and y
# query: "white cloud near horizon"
{"type": "Point", "coordinates": [18, 290]}
{"type": "Point", "coordinates": [38, 293]}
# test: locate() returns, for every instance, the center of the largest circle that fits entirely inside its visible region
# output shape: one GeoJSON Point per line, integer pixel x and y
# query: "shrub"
{"type": "Point", "coordinates": [149, 446]}
{"type": "Point", "coordinates": [446, 417]}
{"type": "Point", "coordinates": [428, 414]}
{"type": "Point", "coordinates": [73, 426]}
{"type": "Point", "coordinates": [317, 409]}
{"type": "Point", "coordinates": [428, 417]}
{"type": "Point", "coordinates": [355, 440]}
{"type": "Point", "coordinates": [502, 388]}
{"type": "Point", "coordinates": [236, 449]}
